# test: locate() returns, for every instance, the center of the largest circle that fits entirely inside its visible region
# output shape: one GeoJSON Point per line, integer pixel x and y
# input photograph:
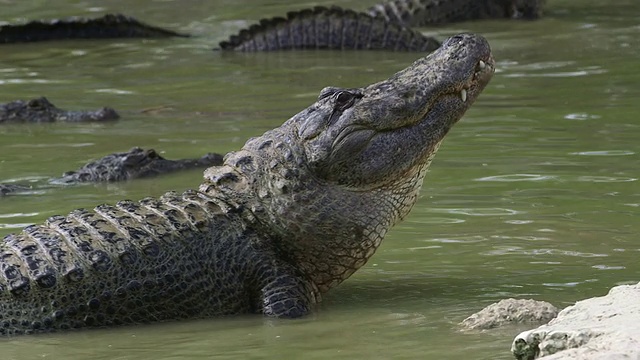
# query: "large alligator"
{"type": "Point", "coordinates": [291, 215]}
{"type": "Point", "coordinates": [133, 164]}
{"type": "Point", "coordinates": [41, 110]}
{"type": "Point", "coordinates": [384, 26]}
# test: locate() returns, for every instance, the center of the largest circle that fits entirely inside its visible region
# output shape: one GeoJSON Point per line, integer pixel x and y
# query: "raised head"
{"type": "Point", "coordinates": [330, 182]}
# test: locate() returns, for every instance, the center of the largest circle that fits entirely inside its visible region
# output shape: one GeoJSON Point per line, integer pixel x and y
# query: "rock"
{"type": "Point", "coordinates": [606, 327]}
{"type": "Point", "coordinates": [511, 311]}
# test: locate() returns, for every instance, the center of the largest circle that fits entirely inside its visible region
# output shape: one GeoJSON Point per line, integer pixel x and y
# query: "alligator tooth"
{"type": "Point", "coordinates": [482, 65]}
{"type": "Point", "coordinates": [463, 95]}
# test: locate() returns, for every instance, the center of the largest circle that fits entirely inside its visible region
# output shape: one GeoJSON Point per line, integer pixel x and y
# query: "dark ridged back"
{"type": "Point", "coordinates": [328, 28]}
{"type": "Point", "coordinates": [133, 164]}
{"type": "Point", "coordinates": [107, 26]}
{"type": "Point", "coordinates": [429, 12]}
{"type": "Point", "coordinates": [133, 262]}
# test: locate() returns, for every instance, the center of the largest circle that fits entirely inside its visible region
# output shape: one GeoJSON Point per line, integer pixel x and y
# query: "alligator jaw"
{"type": "Point", "coordinates": [397, 124]}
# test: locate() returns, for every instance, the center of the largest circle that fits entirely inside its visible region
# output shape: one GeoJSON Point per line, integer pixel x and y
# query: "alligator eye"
{"type": "Point", "coordinates": [35, 103]}
{"type": "Point", "coordinates": [344, 100]}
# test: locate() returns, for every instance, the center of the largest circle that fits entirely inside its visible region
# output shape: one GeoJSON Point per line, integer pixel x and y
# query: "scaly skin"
{"type": "Point", "coordinates": [41, 110]}
{"type": "Point", "coordinates": [328, 28]}
{"type": "Point", "coordinates": [107, 26]}
{"type": "Point", "coordinates": [133, 164]}
{"type": "Point", "coordinates": [317, 28]}
{"type": "Point", "coordinates": [292, 214]}
{"type": "Point", "coordinates": [429, 12]}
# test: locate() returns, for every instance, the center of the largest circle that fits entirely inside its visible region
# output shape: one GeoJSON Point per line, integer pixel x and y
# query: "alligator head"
{"type": "Point", "coordinates": [330, 182]}
{"type": "Point", "coordinates": [41, 110]}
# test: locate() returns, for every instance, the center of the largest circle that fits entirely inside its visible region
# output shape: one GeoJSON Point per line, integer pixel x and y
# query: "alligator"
{"type": "Point", "coordinates": [431, 12]}
{"type": "Point", "coordinates": [291, 215]}
{"type": "Point", "coordinates": [133, 164]}
{"type": "Point", "coordinates": [384, 26]}
{"type": "Point", "coordinates": [40, 110]}
{"type": "Point", "coordinates": [329, 28]}
{"type": "Point", "coordinates": [107, 26]}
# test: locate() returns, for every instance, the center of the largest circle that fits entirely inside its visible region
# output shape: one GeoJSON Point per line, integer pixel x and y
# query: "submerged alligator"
{"type": "Point", "coordinates": [133, 164]}
{"type": "Point", "coordinates": [430, 12]}
{"type": "Point", "coordinates": [42, 111]}
{"type": "Point", "coordinates": [291, 215]}
{"type": "Point", "coordinates": [384, 26]}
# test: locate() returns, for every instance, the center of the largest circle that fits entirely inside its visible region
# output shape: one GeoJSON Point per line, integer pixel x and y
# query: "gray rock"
{"type": "Point", "coordinates": [606, 327]}
{"type": "Point", "coordinates": [511, 311]}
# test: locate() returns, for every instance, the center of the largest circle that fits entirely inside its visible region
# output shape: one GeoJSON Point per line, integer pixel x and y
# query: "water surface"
{"type": "Point", "coordinates": [534, 194]}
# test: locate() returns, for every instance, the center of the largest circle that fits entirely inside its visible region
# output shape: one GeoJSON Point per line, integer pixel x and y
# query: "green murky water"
{"type": "Point", "coordinates": [534, 194]}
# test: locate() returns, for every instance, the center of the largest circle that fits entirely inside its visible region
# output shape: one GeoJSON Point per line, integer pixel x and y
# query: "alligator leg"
{"type": "Point", "coordinates": [283, 293]}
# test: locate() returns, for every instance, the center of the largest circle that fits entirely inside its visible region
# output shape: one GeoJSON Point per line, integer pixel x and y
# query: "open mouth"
{"type": "Point", "coordinates": [484, 69]}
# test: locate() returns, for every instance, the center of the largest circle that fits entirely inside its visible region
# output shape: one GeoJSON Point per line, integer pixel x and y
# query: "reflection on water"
{"type": "Point", "coordinates": [534, 194]}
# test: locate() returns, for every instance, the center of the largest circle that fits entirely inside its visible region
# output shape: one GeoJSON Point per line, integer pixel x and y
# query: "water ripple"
{"type": "Point", "coordinates": [567, 284]}
{"type": "Point", "coordinates": [604, 153]}
{"type": "Point", "coordinates": [438, 220]}
{"type": "Point", "coordinates": [516, 177]}
{"type": "Point", "coordinates": [605, 179]}
{"type": "Point", "coordinates": [114, 91]}
{"type": "Point", "coordinates": [576, 73]}
{"type": "Point", "coordinates": [15, 226]}
{"type": "Point", "coordinates": [581, 116]}
{"type": "Point", "coordinates": [29, 81]}
{"type": "Point", "coordinates": [606, 267]}
{"type": "Point", "coordinates": [518, 222]}
{"type": "Point", "coordinates": [13, 215]}
{"type": "Point", "coordinates": [478, 211]}
{"type": "Point", "coordinates": [510, 250]}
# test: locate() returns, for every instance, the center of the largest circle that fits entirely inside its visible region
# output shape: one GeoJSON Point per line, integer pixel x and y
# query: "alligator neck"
{"type": "Point", "coordinates": [324, 230]}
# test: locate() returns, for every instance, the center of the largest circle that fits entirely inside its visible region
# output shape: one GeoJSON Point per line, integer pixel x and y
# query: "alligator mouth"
{"type": "Point", "coordinates": [484, 69]}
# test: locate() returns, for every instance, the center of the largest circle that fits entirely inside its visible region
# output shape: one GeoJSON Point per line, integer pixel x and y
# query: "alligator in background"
{"type": "Point", "coordinates": [288, 217]}
{"type": "Point", "coordinates": [433, 12]}
{"type": "Point", "coordinates": [384, 26]}
{"type": "Point", "coordinates": [329, 28]}
{"type": "Point", "coordinates": [40, 110]}
{"type": "Point", "coordinates": [133, 164]}
{"type": "Point", "coordinates": [105, 27]}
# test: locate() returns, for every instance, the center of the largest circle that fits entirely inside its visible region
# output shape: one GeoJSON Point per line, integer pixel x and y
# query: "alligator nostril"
{"type": "Point", "coordinates": [454, 39]}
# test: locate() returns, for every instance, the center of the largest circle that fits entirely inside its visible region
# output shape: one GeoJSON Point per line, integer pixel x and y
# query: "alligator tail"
{"type": "Point", "coordinates": [328, 28]}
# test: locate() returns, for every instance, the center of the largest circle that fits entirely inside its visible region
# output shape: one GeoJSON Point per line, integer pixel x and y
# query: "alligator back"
{"type": "Point", "coordinates": [328, 28]}
{"type": "Point", "coordinates": [134, 262]}
{"type": "Point", "coordinates": [107, 26]}
{"type": "Point", "coordinates": [428, 12]}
